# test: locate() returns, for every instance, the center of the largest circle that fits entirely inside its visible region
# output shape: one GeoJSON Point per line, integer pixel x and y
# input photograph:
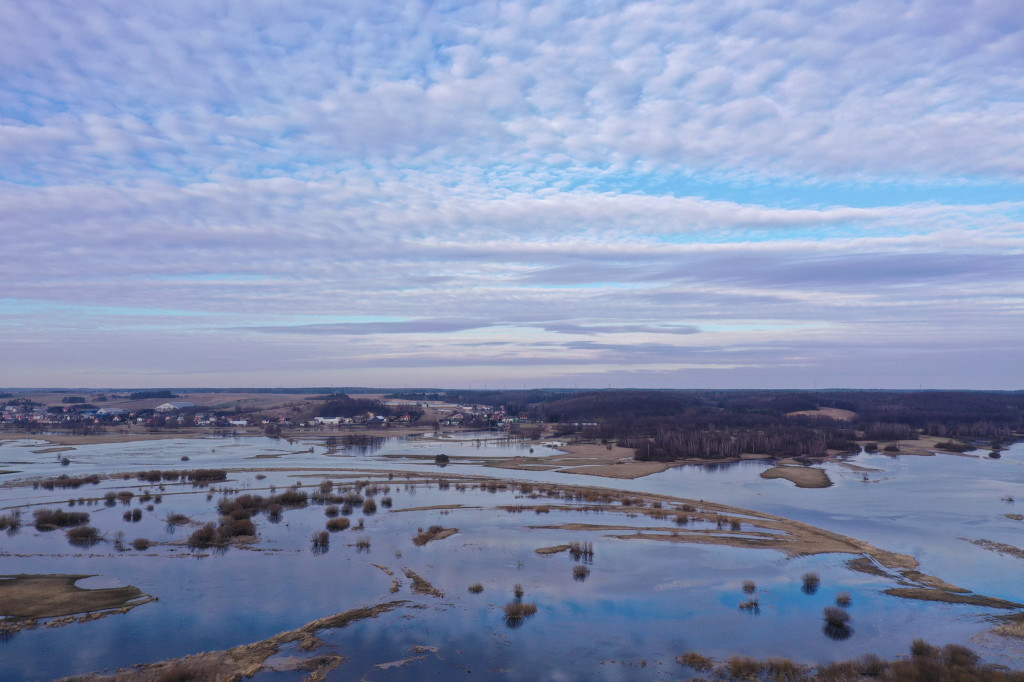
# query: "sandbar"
{"type": "Point", "coordinates": [803, 477]}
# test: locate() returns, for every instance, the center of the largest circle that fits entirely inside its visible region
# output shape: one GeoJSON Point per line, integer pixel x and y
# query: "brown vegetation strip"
{"type": "Point", "coordinates": [1000, 547]}
{"type": "Point", "coordinates": [552, 550]}
{"type": "Point", "coordinates": [930, 594]}
{"type": "Point", "coordinates": [421, 586]}
{"type": "Point", "coordinates": [233, 665]}
{"type": "Point", "coordinates": [433, 533]}
{"type": "Point", "coordinates": [432, 508]}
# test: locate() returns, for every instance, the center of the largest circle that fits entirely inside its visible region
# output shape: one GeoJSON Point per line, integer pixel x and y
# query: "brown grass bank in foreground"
{"type": "Point", "coordinates": [927, 663]}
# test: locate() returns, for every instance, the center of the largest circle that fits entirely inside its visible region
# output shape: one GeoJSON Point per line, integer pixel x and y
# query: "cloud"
{"type": "Point", "coordinates": [517, 183]}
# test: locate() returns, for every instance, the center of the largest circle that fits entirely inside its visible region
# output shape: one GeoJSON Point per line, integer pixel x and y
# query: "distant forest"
{"type": "Point", "coordinates": [666, 425]}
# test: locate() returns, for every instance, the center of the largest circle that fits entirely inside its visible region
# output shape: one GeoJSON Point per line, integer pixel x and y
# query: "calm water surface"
{"type": "Point", "coordinates": [644, 602]}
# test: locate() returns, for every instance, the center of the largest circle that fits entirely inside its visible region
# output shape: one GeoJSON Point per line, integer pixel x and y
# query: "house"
{"type": "Point", "coordinates": [174, 406]}
{"type": "Point", "coordinates": [327, 420]}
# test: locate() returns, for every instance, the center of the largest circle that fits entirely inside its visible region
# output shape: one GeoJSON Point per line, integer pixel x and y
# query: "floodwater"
{"type": "Point", "coordinates": [643, 604]}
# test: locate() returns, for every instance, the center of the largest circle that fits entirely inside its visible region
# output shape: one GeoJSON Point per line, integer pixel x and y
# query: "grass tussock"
{"type": "Point", "coordinates": [133, 515]}
{"type": "Point", "coordinates": [580, 572]}
{"type": "Point", "coordinates": [844, 599]}
{"type": "Point", "coordinates": [141, 544]}
{"type": "Point", "coordinates": [386, 502]}
{"type": "Point", "coordinates": [749, 587]}
{"type": "Point", "coordinates": [174, 519]}
{"type": "Point", "coordinates": [476, 588]}
{"type": "Point", "coordinates": [516, 613]}
{"type": "Point", "coordinates": [695, 661]}
{"type": "Point", "coordinates": [363, 544]}
{"type": "Point", "coordinates": [369, 506]}
{"type": "Point", "coordinates": [338, 524]}
{"type": "Point", "coordinates": [752, 605]}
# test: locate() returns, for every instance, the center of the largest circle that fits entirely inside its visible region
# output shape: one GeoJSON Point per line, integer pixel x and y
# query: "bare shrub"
{"type": "Point", "coordinates": [83, 536]}
{"type": "Point", "coordinates": [811, 582]}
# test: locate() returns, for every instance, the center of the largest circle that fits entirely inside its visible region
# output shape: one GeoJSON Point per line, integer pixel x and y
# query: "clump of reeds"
{"type": "Point", "coordinates": [744, 668]}
{"type": "Point", "coordinates": [476, 588]}
{"type": "Point", "coordinates": [749, 586]}
{"type": "Point", "coordinates": [141, 544]}
{"type": "Point", "coordinates": [752, 605]}
{"type": "Point", "coordinates": [50, 519]}
{"type": "Point", "coordinates": [11, 522]}
{"type": "Point", "coordinates": [516, 612]}
{"type": "Point", "coordinates": [363, 544]}
{"type": "Point", "coordinates": [337, 524]}
{"type": "Point", "coordinates": [784, 669]}
{"type": "Point", "coordinates": [811, 582]}
{"type": "Point", "coordinates": [696, 661]}
{"type": "Point", "coordinates": [321, 541]}
{"type": "Point", "coordinates": [581, 551]}
{"type": "Point", "coordinates": [844, 599]}
{"type": "Point", "coordinates": [83, 536]}
{"type": "Point", "coordinates": [580, 572]}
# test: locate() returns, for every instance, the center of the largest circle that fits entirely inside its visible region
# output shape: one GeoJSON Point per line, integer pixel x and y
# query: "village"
{"type": "Point", "coordinates": [100, 412]}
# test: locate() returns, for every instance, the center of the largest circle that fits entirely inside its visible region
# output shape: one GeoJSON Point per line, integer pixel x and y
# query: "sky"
{"type": "Point", "coordinates": [717, 193]}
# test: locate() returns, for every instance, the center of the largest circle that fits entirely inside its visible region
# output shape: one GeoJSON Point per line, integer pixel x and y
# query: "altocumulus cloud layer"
{"type": "Point", "coordinates": [646, 194]}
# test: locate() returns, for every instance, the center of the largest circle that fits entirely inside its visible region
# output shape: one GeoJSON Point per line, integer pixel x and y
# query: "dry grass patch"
{"type": "Point", "coordinates": [433, 533]}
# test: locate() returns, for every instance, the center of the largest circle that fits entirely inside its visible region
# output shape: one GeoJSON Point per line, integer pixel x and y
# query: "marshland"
{"type": "Point", "coordinates": [351, 561]}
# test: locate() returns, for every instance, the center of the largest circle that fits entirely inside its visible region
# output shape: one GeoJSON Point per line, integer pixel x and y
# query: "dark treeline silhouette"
{"type": "Point", "coordinates": [668, 425]}
{"type": "Point", "coordinates": [340, 405]}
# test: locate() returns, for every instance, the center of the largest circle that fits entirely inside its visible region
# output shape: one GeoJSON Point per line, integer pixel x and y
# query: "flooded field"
{"type": "Point", "coordinates": [655, 571]}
